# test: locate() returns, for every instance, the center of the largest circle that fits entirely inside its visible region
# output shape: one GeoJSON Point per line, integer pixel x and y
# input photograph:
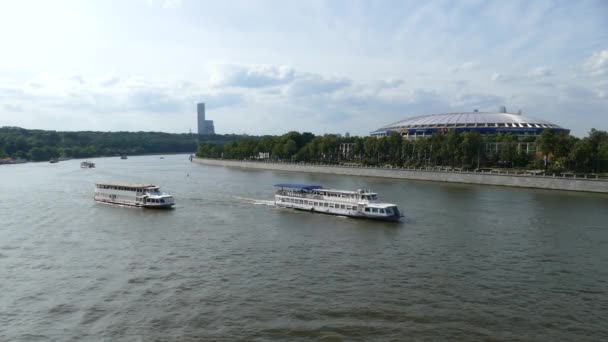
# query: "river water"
{"type": "Point", "coordinates": [468, 262]}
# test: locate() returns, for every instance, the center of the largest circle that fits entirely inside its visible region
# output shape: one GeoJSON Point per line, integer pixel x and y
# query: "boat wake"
{"type": "Point", "coordinates": [255, 201]}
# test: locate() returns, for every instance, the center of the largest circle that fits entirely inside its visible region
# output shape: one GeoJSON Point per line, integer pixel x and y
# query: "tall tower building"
{"type": "Point", "coordinates": [205, 127]}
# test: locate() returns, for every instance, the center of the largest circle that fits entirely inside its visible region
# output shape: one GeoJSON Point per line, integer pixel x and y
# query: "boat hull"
{"type": "Point", "coordinates": [352, 214]}
{"type": "Point", "coordinates": [135, 204]}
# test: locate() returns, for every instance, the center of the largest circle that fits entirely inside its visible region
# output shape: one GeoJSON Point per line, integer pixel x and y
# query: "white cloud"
{"type": "Point", "coordinates": [254, 76]}
{"type": "Point", "coordinates": [597, 64]}
{"type": "Point", "coordinates": [540, 72]}
{"type": "Point", "coordinates": [465, 67]}
{"type": "Point", "coordinates": [169, 4]}
{"type": "Point", "coordinates": [535, 74]}
{"type": "Point", "coordinates": [311, 84]}
{"type": "Point", "coordinates": [172, 3]}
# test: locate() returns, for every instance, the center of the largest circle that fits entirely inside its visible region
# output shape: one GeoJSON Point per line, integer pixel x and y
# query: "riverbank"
{"type": "Point", "coordinates": [521, 181]}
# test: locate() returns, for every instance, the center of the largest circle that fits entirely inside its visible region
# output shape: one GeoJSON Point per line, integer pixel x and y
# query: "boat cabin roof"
{"type": "Point", "coordinates": [299, 186]}
{"type": "Point", "coordinates": [130, 185]}
{"type": "Point", "coordinates": [319, 188]}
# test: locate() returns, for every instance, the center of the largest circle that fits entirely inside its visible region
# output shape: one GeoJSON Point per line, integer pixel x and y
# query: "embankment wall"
{"type": "Point", "coordinates": [522, 181]}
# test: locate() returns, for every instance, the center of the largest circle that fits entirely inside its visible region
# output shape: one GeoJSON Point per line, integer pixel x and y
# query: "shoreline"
{"type": "Point", "coordinates": [513, 180]}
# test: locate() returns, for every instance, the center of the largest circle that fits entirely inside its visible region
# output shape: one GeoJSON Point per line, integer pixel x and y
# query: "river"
{"type": "Point", "coordinates": [467, 263]}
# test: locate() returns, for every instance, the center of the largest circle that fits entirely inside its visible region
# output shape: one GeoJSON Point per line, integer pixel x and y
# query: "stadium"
{"type": "Point", "coordinates": [486, 123]}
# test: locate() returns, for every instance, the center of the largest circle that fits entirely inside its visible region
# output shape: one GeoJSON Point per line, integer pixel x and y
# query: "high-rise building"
{"type": "Point", "coordinates": [205, 127]}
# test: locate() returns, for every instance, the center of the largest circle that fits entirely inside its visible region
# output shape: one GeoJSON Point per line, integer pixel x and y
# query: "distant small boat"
{"type": "Point", "coordinates": [53, 160]}
{"type": "Point", "coordinates": [123, 157]}
{"type": "Point", "coordinates": [162, 157]}
{"type": "Point", "coordinates": [87, 165]}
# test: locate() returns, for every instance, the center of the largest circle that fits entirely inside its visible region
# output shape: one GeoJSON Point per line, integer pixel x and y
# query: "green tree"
{"type": "Point", "coordinates": [289, 148]}
{"type": "Point", "coordinates": [546, 143]}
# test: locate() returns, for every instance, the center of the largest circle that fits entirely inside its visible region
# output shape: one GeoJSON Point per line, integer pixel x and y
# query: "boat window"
{"type": "Point", "coordinates": [389, 211]}
{"type": "Point", "coordinates": [326, 204]}
{"type": "Point", "coordinates": [374, 197]}
{"type": "Point", "coordinates": [374, 210]}
{"type": "Point", "coordinates": [381, 211]}
{"type": "Point", "coordinates": [367, 210]}
{"type": "Point", "coordinates": [342, 206]}
{"type": "Point", "coordinates": [331, 205]}
{"type": "Point", "coordinates": [162, 200]}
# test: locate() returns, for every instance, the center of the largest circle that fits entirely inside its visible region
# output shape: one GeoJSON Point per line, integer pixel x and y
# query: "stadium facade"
{"type": "Point", "coordinates": [486, 123]}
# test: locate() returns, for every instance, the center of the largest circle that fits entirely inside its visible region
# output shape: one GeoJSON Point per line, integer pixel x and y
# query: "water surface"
{"type": "Point", "coordinates": [468, 262]}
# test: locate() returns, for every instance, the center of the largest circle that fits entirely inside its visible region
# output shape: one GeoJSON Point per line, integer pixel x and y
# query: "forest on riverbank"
{"type": "Point", "coordinates": [549, 151]}
{"type": "Point", "coordinates": [41, 145]}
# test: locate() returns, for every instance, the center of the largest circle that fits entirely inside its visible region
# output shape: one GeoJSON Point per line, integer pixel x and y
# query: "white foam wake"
{"type": "Point", "coordinates": [255, 201]}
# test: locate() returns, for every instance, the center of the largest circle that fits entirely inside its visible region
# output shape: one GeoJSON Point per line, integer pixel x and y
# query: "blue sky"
{"type": "Point", "coordinates": [268, 67]}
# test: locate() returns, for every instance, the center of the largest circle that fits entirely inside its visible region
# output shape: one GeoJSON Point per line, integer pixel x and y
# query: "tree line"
{"type": "Point", "coordinates": [41, 145]}
{"type": "Point", "coordinates": [550, 151]}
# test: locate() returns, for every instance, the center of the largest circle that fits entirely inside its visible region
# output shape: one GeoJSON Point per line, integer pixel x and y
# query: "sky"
{"type": "Point", "coordinates": [269, 67]}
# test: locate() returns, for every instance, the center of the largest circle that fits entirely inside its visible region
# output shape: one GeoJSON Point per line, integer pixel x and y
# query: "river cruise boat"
{"type": "Point", "coordinates": [314, 198]}
{"type": "Point", "coordinates": [137, 195]}
{"type": "Point", "coordinates": [87, 165]}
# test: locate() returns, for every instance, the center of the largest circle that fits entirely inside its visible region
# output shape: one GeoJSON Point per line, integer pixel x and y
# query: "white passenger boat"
{"type": "Point", "coordinates": [138, 195]}
{"type": "Point", "coordinates": [314, 198]}
{"type": "Point", "coordinates": [87, 165]}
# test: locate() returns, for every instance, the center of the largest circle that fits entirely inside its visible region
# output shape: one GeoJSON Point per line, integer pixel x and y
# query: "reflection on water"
{"type": "Point", "coordinates": [467, 263]}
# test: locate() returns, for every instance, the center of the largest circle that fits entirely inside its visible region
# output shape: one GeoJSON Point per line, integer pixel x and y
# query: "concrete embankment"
{"type": "Point", "coordinates": [522, 181]}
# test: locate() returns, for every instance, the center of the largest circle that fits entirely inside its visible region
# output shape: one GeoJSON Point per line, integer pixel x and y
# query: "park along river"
{"type": "Point", "coordinates": [467, 263]}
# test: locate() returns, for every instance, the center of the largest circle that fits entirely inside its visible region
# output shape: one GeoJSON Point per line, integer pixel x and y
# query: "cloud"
{"type": "Point", "coordinates": [220, 100]}
{"type": "Point", "coordinates": [109, 80]}
{"type": "Point", "coordinates": [390, 83]}
{"type": "Point", "coordinates": [113, 95]}
{"type": "Point", "coordinates": [479, 101]}
{"type": "Point", "coordinates": [254, 76]}
{"type": "Point", "coordinates": [597, 64]}
{"type": "Point", "coordinates": [312, 84]}
{"type": "Point", "coordinates": [467, 66]}
{"type": "Point", "coordinates": [540, 72]}
{"type": "Point", "coordinates": [534, 74]}
{"type": "Point", "coordinates": [169, 4]}
{"type": "Point", "coordinates": [172, 3]}
{"type": "Point", "coordinates": [13, 108]}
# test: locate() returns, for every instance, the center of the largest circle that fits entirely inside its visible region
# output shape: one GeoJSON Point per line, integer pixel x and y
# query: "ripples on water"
{"type": "Point", "coordinates": [468, 263]}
